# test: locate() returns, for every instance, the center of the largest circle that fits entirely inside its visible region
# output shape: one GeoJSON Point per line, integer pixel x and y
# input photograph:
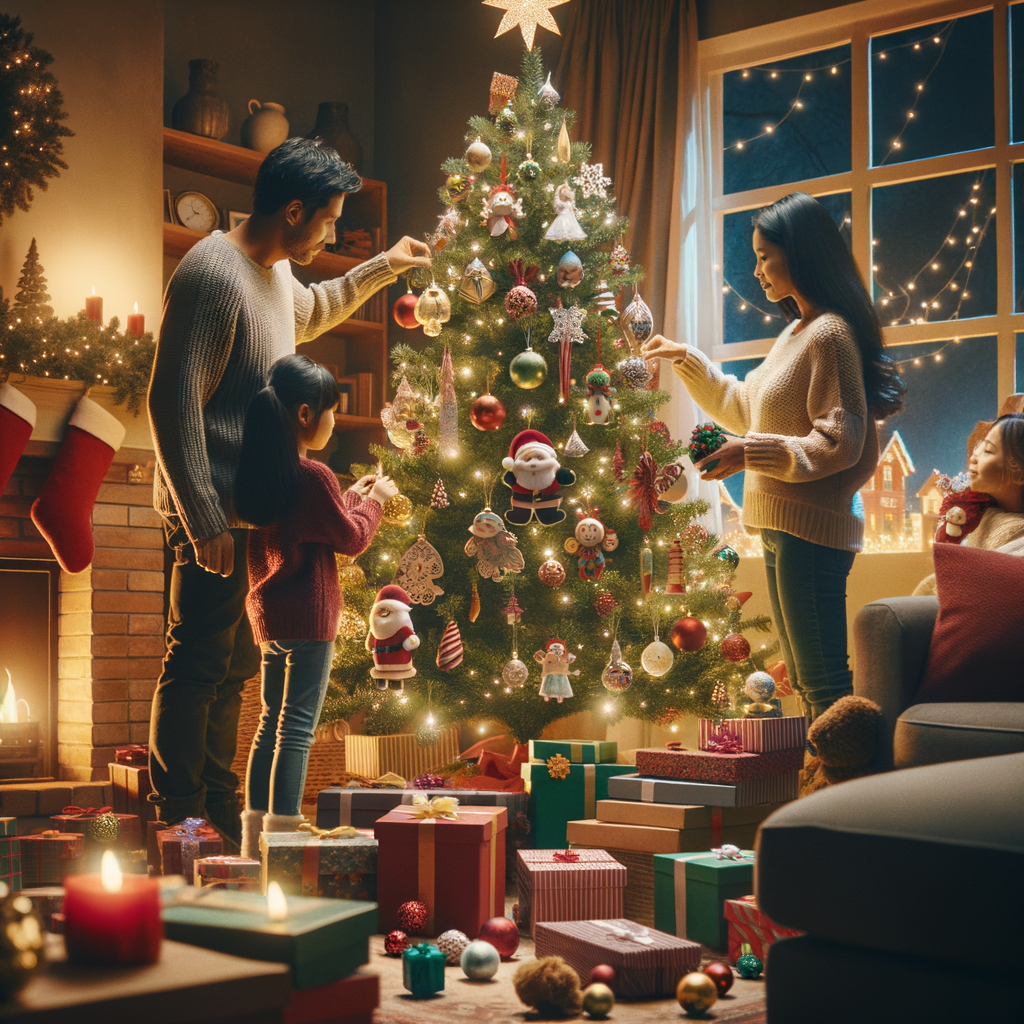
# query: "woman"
{"type": "Point", "coordinates": [807, 419]}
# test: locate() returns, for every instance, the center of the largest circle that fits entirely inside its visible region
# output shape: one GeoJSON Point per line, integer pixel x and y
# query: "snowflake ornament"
{"type": "Point", "coordinates": [568, 325]}
{"type": "Point", "coordinates": [592, 182]}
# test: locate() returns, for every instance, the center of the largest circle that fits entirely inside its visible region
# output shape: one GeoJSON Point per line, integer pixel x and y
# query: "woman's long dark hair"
{"type": "Point", "coordinates": [1011, 433]}
{"type": "Point", "coordinates": [825, 274]}
{"type": "Point", "coordinates": [267, 487]}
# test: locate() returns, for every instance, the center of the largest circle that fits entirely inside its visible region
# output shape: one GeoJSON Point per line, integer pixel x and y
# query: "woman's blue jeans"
{"type": "Point", "coordinates": [807, 589]}
{"type": "Point", "coordinates": [294, 683]}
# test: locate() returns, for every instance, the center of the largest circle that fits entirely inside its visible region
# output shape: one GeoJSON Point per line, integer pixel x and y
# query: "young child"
{"type": "Point", "coordinates": [294, 598]}
{"type": "Point", "coordinates": [996, 469]}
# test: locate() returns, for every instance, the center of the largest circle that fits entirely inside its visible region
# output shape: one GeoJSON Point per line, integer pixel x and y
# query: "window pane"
{"type": "Point", "coordinates": [1016, 16]}
{"type": "Point", "coordinates": [804, 102]}
{"type": "Point", "coordinates": [1020, 365]}
{"type": "Point", "coordinates": [932, 90]}
{"type": "Point", "coordinates": [1018, 238]}
{"type": "Point", "coordinates": [744, 307]}
{"type": "Point", "coordinates": [950, 387]}
{"type": "Point", "coordinates": [935, 248]}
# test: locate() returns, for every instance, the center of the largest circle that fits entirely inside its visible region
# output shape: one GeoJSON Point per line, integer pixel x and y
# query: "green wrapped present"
{"type": "Point", "coordinates": [690, 890]}
{"type": "Point", "coordinates": [10, 862]}
{"type": "Point", "coordinates": [8, 826]}
{"type": "Point", "coordinates": [423, 969]}
{"type": "Point", "coordinates": [303, 864]}
{"type": "Point", "coordinates": [577, 751]}
{"type": "Point", "coordinates": [561, 792]}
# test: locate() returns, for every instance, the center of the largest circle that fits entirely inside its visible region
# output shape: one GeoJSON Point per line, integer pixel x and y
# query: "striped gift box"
{"type": "Point", "coordinates": [778, 789]}
{"type": "Point", "coordinates": [708, 766]}
{"type": "Point", "coordinates": [374, 756]}
{"type": "Point", "coordinates": [227, 872]}
{"type": "Point", "coordinates": [47, 857]}
{"type": "Point", "coordinates": [648, 963]}
{"type": "Point", "coordinates": [592, 886]}
{"type": "Point", "coordinates": [749, 924]}
{"type": "Point", "coordinates": [759, 735]}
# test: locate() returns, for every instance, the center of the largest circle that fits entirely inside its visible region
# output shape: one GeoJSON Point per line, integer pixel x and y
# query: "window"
{"type": "Point", "coordinates": [898, 120]}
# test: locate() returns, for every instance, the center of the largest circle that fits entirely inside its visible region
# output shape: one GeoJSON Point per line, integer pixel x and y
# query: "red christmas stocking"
{"type": "Point", "coordinates": [17, 418]}
{"type": "Point", "coordinates": [63, 510]}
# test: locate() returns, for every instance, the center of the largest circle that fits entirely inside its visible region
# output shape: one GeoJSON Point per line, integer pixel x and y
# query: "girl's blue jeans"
{"type": "Point", "coordinates": [807, 589]}
{"type": "Point", "coordinates": [294, 683]}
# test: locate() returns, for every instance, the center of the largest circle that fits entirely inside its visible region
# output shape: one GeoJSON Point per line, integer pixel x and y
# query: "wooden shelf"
{"type": "Point", "coordinates": [343, 421]}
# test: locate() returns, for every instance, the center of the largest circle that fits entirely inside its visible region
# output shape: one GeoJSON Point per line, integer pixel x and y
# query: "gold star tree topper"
{"type": "Point", "coordinates": [527, 14]}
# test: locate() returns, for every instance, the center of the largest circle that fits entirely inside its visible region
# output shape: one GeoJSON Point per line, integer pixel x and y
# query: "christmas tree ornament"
{"type": "Point", "coordinates": [657, 658]}
{"type": "Point", "coordinates": [476, 285]}
{"type": "Point", "coordinates": [618, 463]}
{"type": "Point", "coordinates": [439, 496]}
{"type": "Point", "coordinates": [617, 676]}
{"type": "Point", "coordinates": [598, 1001]}
{"type": "Point", "coordinates": [676, 568]}
{"type": "Point", "coordinates": [564, 148]}
{"type": "Point", "coordinates": [619, 259]}
{"type": "Point", "coordinates": [412, 916]}
{"type": "Point", "coordinates": [735, 647]}
{"type": "Point", "coordinates": [748, 965]}
{"type": "Point", "coordinates": [404, 311]}
{"type": "Point", "coordinates": [399, 417]}
{"type": "Point", "coordinates": [396, 943]}
{"type": "Point", "coordinates": [696, 538]}
{"type": "Point", "coordinates": [487, 413]}
{"type": "Point", "coordinates": [506, 121]}
{"type": "Point", "coordinates": [450, 651]}
{"type": "Point", "coordinates": [592, 182]}
{"type": "Point", "coordinates": [642, 494]}
{"type": "Point", "coordinates": [551, 573]}
{"type": "Point", "coordinates": [448, 407]}
{"type": "Point", "coordinates": [420, 443]}
{"type": "Point", "coordinates": [637, 323]}
{"type": "Point", "coordinates": [587, 542]}
{"type": "Point", "coordinates": [599, 396]}
{"type": "Point", "coordinates": [528, 370]}
{"type": "Point", "coordinates": [565, 227]}
{"type": "Point", "coordinates": [720, 698]}
{"type": "Point", "coordinates": [474, 602]}
{"type": "Point", "coordinates": [392, 640]}
{"type": "Point", "coordinates": [567, 331]}
{"type": "Point", "coordinates": [104, 828]}
{"type": "Point", "coordinates": [515, 673]}
{"type": "Point", "coordinates": [452, 943]}
{"type": "Point", "coordinates": [533, 473]}
{"type": "Point", "coordinates": [480, 961]}
{"type": "Point", "coordinates": [512, 611]}
{"type": "Point", "coordinates": [569, 272]}
{"type": "Point", "coordinates": [496, 548]}
{"type": "Point", "coordinates": [554, 663]}
{"type": "Point", "coordinates": [604, 302]}
{"type": "Point", "coordinates": [527, 14]}
{"type": "Point", "coordinates": [548, 95]}
{"type": "Point", "coordinates": [634, 372]}
{"type": "Point", "coordinates": [520, 301]}
{"type": "Point", "coordinates": [502, 934]}
{"type": "Point", "coordinates": [689, 634]}
{"type": "Point", "coordinates": [602, 974]}
{"type": "Point", "coordinates": [457, 187]}
{"type": "Point", "coordinates": [427, 781]}
{"type": "Point", "coordinates": [696, 994]}
{"type": "Point", "coordinates": [528, 170]}
{"type": "Point", "coordinates": [397, 510]}
{"type": "Point", "coordinates": [418, 568]}
{"type": "Point", "coordinates": [646, 567]}
{"type": "Point", "coordinates": [671, 483]}
{"type": "Point", "coordinates": [448, 225]}
{"type": "Point", "coordinates": [350, 575]}
{"type": "Point", "coordinates": [760, 702]}
{"type": "Point", "coordinates": [478, 157]}
{"type": "Point", "coordinates": [574, 447]}
{"type": "Point", "coordinates": [502, 207]}
{"type": "Point", "coordinates": [605, 604]}
{"type": "Point", "coordinates": [705, 440]}
{"type": "Point", "coordinates": [433, 309]}
{"type": "Point", "coordinates": [728, 555]}
{"type": "Point", "coordinates": [503, 92]}
{"type": "Point", "coordinates": [351, 624]}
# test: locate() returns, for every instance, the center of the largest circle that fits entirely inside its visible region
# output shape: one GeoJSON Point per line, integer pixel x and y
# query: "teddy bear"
{"type": "Point", "coordinates": [841, 743]}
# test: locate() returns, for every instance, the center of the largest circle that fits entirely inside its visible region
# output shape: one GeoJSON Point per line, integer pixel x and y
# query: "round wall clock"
{"type": "Point", "coordinates": [197, 211]}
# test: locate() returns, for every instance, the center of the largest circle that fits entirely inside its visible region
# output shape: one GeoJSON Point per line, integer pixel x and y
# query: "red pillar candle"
{"type": "Point", "coordinates": [112, 919]}
{"type": "Point", "coordinates": [94, 306]}
{"type": "Point", "coordinates": [137, 322]}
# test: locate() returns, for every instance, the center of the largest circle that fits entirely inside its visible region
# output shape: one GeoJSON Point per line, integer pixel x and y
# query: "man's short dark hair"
{"type": "Point", "coordinates": [304, 169]}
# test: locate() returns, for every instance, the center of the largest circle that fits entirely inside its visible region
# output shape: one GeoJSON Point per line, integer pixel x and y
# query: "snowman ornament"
{"type": "Point", "coordinates": [590, 540]}
{"type": "Point", "coordinates": [599, 396]}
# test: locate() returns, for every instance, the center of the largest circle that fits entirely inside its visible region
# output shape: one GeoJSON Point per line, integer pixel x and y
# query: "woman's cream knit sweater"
{"type": "Point", "coordinates": [810, 443]}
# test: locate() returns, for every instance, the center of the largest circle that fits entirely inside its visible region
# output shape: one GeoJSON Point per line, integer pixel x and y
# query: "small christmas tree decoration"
{"type": "Point", "coordinates": [420, 443]}
{"type": "Point", "coordinates": [565, 227]}
{"type": "Point", "coordinates": [399, 417]}
{"type": "Point", "coordinates": [533, 472]}
{"type": "Point", "coordinates": [548, 94]}
{"type": "Point", "coordinates": [457, 187]}
{"type": "Point", "coordinates": [528, 170]}
{"type": "Point", "coordinates": [350, 575]}
{"type": "Point", "coordinates": [568, 331]}
{"type": "Point", "coordinates": [520, 300]}
{"type": "Point", "coordinates": [619, 259]}
{"type": "Point", "coordinates": [592, 182]}
{"type": "Point", "coordinates": [515, 673]}
{"type": "Point", "coordinates": [433, 309]}
{"type": "Point", "coordinates": [487, 413]}
{"type": "Point", "coordinates": [676, 568]}
{"type": "Point", "coordinates": [569, 272]}
{"type": "Point", "coordinates": [503, 91]}
{"type": "Point", "coordinates": [564, 149]}
{"type": "Point", "coordinates": [404, 311]}
{"type": "Point", "coordinates": [551, 573]}
{"type": "Point", "coordinates": [720, 697]}
{"type": "Point", "coordinates": [507, 122]}
{"type": "Point", "coordinates": [496, 548]}
{"type": "Point", "coordinates": [412, 916]}
{"type": "Point", "coordinates": [689, 634]}
{"type": "Point", "coordinates": [642, 494]}
{"type": "Point", "coordinates": [705, 440]}
{"type": "Point", "coordinates": [587, 542]}
{"type": "Point", "coordinates": [634, 372]}
{"type": "Point", "coordinates": [448, 407]}
{"type": "Point", "coordinates": [657, 658]}
{"type": "Point", "coordinates": [450, 651]}
{"type": "Point", "coordinates": [528, 370]}
{"type": "Point", "coordinates": [397, 510]}
{"type": "Point", "coordinates": [452, 943]}
{"type": "Point", "coordinates": [477, 285]}
{"type": "Point", "coordinates": [637, 323]}
{"type": "Point", "coordinates": [605, 604]}
{"type": "Point", "coordinates": [728, 555]}
{"type": "Point", "coordinates": [439, 496]}
{"type": "Point", "coordinates": [418, 568]}
{"type": "Point", "coordinates": [391, 638]}
{"type": "Point", "coordinates": [480, 961]}
{"type": "Point", "coordinates": [351, 624]}
{"type": "Point", "coordinates": [478, 157]}
{"type": "Point", "coordinates": [104, 828]}
{"type": "Point", "coordinates": [696, 538]}
{"type": "Point", "coordinates": [617, 676]}
{"type": "Point", "coordinates": [619, 463]}
{"type": "Point", "coordinates": [604, 302]}
{"type": "Point", "coordinates": [735, 647]}
{"type": "Point", "coordinates": [598, 1001]}
{"type": "Point", "coordinates": [502, 207]}
{"type": "Point", "coordinates": [474, 602]}
{"type": "Point", "coordinates": [513, 612]}
{"type": "Point", "coordinates": [30, 301]}
{"type": "Point", "coordinates": [748, 965]}
{"type": "Point", "coordinates": [396, 943]}
{"type": "Point", "coordinates": [599, 396]}
{"type": "Point", "coordinates": [696, 994]}
{"type": "Point", "coordinates": [554, 663]}
{"type": "Point", "coordinates": [760, 702]}
{"type": "Point", "coordinates": [575, 448]}
{"type": "Point", "coordinates": [721, 974]}
{"type": "Point", "coordinates": [448, 225]}
{"type": "Point", "coordinates": [502, 934]}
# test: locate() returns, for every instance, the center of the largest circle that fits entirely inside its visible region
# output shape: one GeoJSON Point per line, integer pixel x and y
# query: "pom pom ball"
{"type": "Point", "coordinates": [689, 634]}
{"type": "Point", "coordinates": [696, 993]}
{"type": "Point", "coordinates": [602, 974]}
{"type": "Point", "coordinates": [721, 974]}
{"type": "Point", "coordinates": [487, 413]}
{"type": "Point", "coordinates": [550, 986]}
{"type": "Point", "coordinates": [480, 961]}
{"type": "Point", "coordinates": [735, 647]}
{"type": "Point", "coordinates": [520, 301]}
{"type": "Point", "coordinates": [705, 440]}
{"type": "Point", "coordinates": [412, 916]}
{"type": "Point", "coordinates": [452, 943]}
{"type": "Point", "coordinates": [396, 943]}
{"type": "Point", "coordinates": [749, 966]}
{"type": "Point", "coordinates": [598, 1000]}
{"type": "Point", "coordinates": [552, 573]}
{"type": "Point", "coordinates": [502, 934]}
{"type": "Point", "coordinates": [605, 604]}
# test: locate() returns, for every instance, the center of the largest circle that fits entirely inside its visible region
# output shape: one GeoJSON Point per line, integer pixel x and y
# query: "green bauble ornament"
{"type": "Point", "coordinates": [528, 370]}
{"type": "Point", "coordinates": [748, 965]}
{"type": "Point", "coordinates": [528, 170]}
{"type": "Point", "coordinates": [104, 828]}
{"type": "Point", "coordinates": [21, 941]}
{"type": "Point", "coordinates": [507, 121]}
{"type": "Point", "coordinates": [728, 555]}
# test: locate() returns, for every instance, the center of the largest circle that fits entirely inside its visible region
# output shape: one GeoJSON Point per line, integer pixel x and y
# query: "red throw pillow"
{"type": "Point", "coordinates": [977, 649]}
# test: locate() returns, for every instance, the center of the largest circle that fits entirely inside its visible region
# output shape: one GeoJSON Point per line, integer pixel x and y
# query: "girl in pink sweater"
{"type": "Point", "coordinates": [302, 519]}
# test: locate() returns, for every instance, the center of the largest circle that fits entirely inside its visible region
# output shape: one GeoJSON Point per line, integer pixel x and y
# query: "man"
{"type": "Point", "coordinates": [231, 309]}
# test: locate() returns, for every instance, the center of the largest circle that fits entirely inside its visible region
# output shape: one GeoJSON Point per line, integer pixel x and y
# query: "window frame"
{"type": "Point", "coordinates": [855, 24]}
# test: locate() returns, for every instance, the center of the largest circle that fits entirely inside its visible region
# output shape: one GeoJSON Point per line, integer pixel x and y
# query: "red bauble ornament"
{"type": "Point", "coordinates": [552, 573]}
{"type": "Point", "coordinates": [503, 934]}
{"type": "Point", "coordinates": [602, 974]}
{"type": "Point", "coordinates": [403, 311]}
{"type": "Point", "coordinates": [605, 605]}
{"type": "Point", "coordinates": [487, 413]}
{"type": "Point", "coordinates": [721, 974]}
{"type": "Point", "coordinates": [412, 916]}
{"type": "Point", "coordinates": [735, 647]}
{"type": "Point", "coordinates": [689, 634]}
{"type": "Point", "coordinates": [396, 943]}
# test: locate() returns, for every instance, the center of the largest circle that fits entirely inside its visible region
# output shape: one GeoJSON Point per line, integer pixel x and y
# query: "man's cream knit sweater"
{"type": "Point", "coordinates": [810, 443]}
{"type": "Point", "coordinates": [225, 321]}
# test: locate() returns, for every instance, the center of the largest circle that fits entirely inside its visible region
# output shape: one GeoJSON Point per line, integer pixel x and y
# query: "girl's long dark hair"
{"type": "Point", "coordinates": [1011, 433]}
{"type": "Point", "coordinates": [267, 487]}
{"type": "Point", "coordinates": [825, 274]}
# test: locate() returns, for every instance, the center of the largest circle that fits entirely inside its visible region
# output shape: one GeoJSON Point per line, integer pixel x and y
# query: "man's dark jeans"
{"type": "Point", "coordinates": [210, 654]}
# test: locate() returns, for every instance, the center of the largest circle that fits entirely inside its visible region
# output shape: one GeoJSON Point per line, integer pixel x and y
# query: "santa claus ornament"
{"type": "Point", "coordinates": [496, 548]}
{"type": "Point", "coordinates": [391, 638]}
{"type": "Point", "coordinates": [533, 473]}
{"type": "Point", "coordinates": [554, 663]}
{"type": "Point", "coordinates": [589, 542]}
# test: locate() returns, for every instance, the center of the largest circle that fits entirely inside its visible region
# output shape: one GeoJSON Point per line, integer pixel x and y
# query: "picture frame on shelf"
{"type": "Point", "coordinates": [234, 218]}
{"type": "Point", "coordinates": [169, 216]}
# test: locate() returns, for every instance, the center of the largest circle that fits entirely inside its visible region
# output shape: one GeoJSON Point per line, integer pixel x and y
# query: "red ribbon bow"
{"type": "Point", "coordinates": [137, 753]}
{"type": "Point", "coordinates": [725, 742]}
{"type": "Point", "coordinates": [568, 857]}
{"type": "Point", "coordinates": [81, 812]}
{"type": "Point", "coordinates": [523, 277]}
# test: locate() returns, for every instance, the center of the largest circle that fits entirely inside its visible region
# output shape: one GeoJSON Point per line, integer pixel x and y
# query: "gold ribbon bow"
{"type": "Point", "coordinates": [341, 832]}
{"type": "Point", "coordinates": [435, 807]}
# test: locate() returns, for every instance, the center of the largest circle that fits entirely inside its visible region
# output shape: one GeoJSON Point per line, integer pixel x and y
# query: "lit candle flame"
{"type": "Point", "coordinates": [110, 873]}
{"type": "Point", "coordinates": [136, 304]}
{"type": "Point", "coordinates": [9, 705]}
{"type": "Point", "coordinates": [94, 289]}
{"type": "Point", "coordinates": [277, 905]}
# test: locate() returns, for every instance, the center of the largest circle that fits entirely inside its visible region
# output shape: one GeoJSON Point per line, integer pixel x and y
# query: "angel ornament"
{"type": "Point", "coordinates": [565, 227]}
{"type": "Point", "coordinates": [554, 663]}
{"type": "Point", "coordinates": [496, 548]}
{"type": "Point", "coordinates": [417, 570]}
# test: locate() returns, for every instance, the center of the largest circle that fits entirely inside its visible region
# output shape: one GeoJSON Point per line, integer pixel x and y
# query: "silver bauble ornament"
{"type": "Point", "coordinates": [617, 675]}
{"type": "Point", "coordinates": [515, 673]}
{"type": "Point", "coordinates": [478, 156]}
{"type": "Point", "coordinates": [657, 658]}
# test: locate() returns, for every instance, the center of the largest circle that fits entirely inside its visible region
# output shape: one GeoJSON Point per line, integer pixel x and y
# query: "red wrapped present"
{"type": "Point", "coordinates": [137, 754]}
{"type": "Point", "coordinates": [759, 735]}
{"type": "Point", "coordinates": [77, 819]}
{"type": "Point", "coordinates": [181, 845]}
{"type": "Point", "coordinates": [131, 787]}
{"type": "Point", "coordinates": [572, 885]}
{"type": "Point", "coordinates": [706, 766]}
{"type": "Point", "coordinates": [226, 872]}
{"type": "Point", "coordinates": [47, 857]}
{"type": "Point", "coordinates": [748, 924]}
{"type": "Point", "coordinates": [448, 857]}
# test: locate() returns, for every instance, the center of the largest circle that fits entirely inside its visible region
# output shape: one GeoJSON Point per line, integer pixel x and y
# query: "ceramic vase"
{"type": "Point", "coordinates": [265, 128]}
{"type": "Point", "coordinates": [332, 126]}
{"type": "Point", "coordinates": [201, 111]}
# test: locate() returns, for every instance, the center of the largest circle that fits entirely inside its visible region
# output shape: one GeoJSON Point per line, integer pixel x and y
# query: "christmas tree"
{"type": "Point", "coordinates": [30, 301]}
{"type": "Point", "coordinates": [523, 308]}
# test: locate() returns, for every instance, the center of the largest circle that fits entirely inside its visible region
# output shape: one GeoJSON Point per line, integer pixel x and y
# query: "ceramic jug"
{"type": "Point", "coordinates": [201, 111]}
{"type": "Point", "coordinates": [265, 127]}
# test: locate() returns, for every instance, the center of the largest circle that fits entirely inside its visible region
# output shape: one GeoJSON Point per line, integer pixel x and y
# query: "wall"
{"type": "Point", "coordinates": [719, 17]}
{"type": "Point", "coordinates": [99, 223]}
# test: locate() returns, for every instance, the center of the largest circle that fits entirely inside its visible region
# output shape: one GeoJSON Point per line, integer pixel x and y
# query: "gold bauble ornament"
{"type": "Point", "coordinates": [696, 993]}
{"type": "Point", "coordinates": [351, 625]}
{"type": "Point", "coordinates": [351, 576]}
{"type": "Point", "coordinates": [397, 510]}
{"type": "Point", "coordinates": [478, 156]}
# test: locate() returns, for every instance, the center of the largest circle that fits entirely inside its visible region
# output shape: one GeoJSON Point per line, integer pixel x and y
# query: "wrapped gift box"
{"type": "Point", "coordinates": [78, 821]}
{"type": "Point", "coordinates": [748, 924]}
{"type": "Point", "coordinates": [557, 800]}
{"type": "Point", "coordinates": [576, 751]}
{"type": "Point", "coordinates": [351, 1000]}
{"type": "Point", "coordinates": [131, 786]}
{"type": "Point", "coordinates": [8, 826]}
{"type": "Point", "coordinates": [222, 872]}
{"type": "Point", "coordinates": [705, 766]}
{"type": "Point", "coordinates": [690, 890]}
{"type": "Point", "coordinates": [647, 839]}
{"type": "Point", "coordinates": [10, 861]}
{"type": "Point", "coordinates": [552, 888]}
{"type": "Point", "coordinates": [779, 789]}
{"type": "Point", "coordinates": [648, 964]}
{"type": "Point", "coordinates": [47, 857]}
{"type": "Point", "coordinates": [633, 812]}
{"type": "Point", "coordinates": [423, 969]}
{"type": "Point", "coordinates": [400, 753]}
{"type": "Point", "coordinates": [758, 735]}
{"type": "Point", "coordinates": [180, 846]}
{"type": "Point", "coordinates": [343, 868]}
{"type": "Point", "coordinates": [455, 867]}
{"type": "Point", "coordinates": [136, 753]}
